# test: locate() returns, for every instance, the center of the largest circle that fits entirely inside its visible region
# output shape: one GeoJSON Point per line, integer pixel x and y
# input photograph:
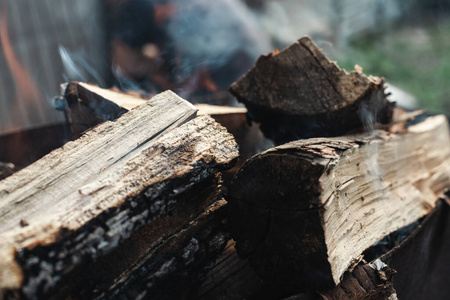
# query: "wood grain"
{"type": "Point", "coordinates": [304, 212]}
{"type": "Point", "coordinates": [300, 93]}
{"type": "Point", "coordinates": [78, 202]}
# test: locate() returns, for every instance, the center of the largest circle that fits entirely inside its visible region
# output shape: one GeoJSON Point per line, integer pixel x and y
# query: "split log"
{"type": "Point", "coordinates": [367, 281]}
{"type": "Point", "coordinates": [232, 277]}
{"type": "Point", "coordinates": [80, 201]}
{"type": "Point", "coordinates": [165, 259]}
{"type": "Point", "coordinates": [87, 105]}
{"type": "Point", "coordinates": [304, 212]}
{"type": "Point", "coordinates": [299, 93]}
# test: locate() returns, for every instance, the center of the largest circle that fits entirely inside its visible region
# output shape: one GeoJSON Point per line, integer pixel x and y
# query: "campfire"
{"type": "Point", "coordinates": [314, 186]}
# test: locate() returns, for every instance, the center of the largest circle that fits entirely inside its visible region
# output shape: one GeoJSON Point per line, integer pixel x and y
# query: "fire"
{"type": "Point", "coordinates": [28, 96]}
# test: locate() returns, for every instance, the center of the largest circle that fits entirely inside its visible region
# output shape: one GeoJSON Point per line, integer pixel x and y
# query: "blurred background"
{"type": "Point", "coordinates": [198, 47]}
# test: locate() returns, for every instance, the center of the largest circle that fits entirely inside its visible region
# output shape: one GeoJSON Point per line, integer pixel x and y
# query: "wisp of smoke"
{"type": "Point", "coordinates": [125, 82]}
{"type": "Point", "coordinates": [77, 68]}
{"type": "Point", "coordinates": [210, 34]}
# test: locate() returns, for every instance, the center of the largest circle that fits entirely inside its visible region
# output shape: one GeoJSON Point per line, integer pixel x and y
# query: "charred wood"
{"type": "Point", "coordinates": [299, 93]}
{"type": "Point", "coordinates": [87, 105]}
{"type": "Point", "coordinates": [165, 259]}
{"type": "Point", "coordinates": [81, 201]}
{"type": "Point", "coordinates": [304, 212]}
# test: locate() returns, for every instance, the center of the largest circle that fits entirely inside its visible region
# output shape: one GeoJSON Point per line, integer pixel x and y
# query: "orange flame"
{"type": "Point", "coordinates": [26, 89]}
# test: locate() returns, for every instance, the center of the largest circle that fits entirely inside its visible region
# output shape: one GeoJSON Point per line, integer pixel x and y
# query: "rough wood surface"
{"type": "Point", "coordinates": [424, 251]}
{"type": "Point", "coordinates": [300, 93]}
{"type": "Point", "coordinates": [162, 260]}
{"type": "Point", "coordinates": [367, 281]}
{"type": "Point", "coordinates": [87, 105]}
{"type": "Point", "coordinates": [230, 278]}
{"type": "Point", "coordinates": [305, 211]}
{"type": "Point", "coordinates": [78, 202]}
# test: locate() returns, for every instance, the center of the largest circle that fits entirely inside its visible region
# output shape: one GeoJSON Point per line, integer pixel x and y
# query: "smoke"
{"type": "Point", "coordinates": [77, 67]}
{"type": "Point", "coordinates": [368, 115]}
{"type": "Point", "coordinates": [287, 21]}
{"type": "Point", "coordinates": [211, 34]}
{"type": "Point", "coordinates": [125, 82]}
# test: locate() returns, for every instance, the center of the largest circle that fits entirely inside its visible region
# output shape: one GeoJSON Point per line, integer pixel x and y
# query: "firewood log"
{"type": "Point", "coordinates": [165, 259]}
{"type": "Point", "coordinates": [86, 106]}
{"type": "Point", "coordinates": [304, 212]}
{"type": "Point", "coordinates": [425, 250]}
{"type": "Point", "coordinates": [299, 93]}
{"type": "Point", "coordinates": [79, 202]}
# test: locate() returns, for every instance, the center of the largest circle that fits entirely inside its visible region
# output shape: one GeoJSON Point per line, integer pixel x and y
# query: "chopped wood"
{"type": "Point", "coordinates": [425, 251]}
{"type": "Point", "coordinates": [165, 259]}
{"type": "Point", "coordinates": [77, 203]}
{"type": "Point", "coordinates": [304, 212]}
{"type": "Point", "coordinates": [230, 278]}
{"type": "Point", "coordinates": [84, 100]}
{"type": "Point", "coordinates": [367, 281]}
{"type": "Point", "coordinates": [215, 110]}
{"type": "Point", "coordinates": [88, 105]}
{"type": "Point", "coordinates": [248, 136]}
{"type": "Point", "coordinates": [300, 93]}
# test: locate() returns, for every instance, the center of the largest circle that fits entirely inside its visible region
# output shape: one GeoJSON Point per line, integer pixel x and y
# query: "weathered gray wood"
{"type": "Point", "coordinates": [184, 243]}
{"type": "Point", "coordinates": [300, 93]}
{"type": "Point", "coordinates": [88, 105]}
{"type": "Point", "coordinates": [304, 212]}
{"type": "Point", "coordinates": [78, 202]}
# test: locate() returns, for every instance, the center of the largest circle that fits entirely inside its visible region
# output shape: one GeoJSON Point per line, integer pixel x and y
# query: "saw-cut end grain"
{"type": "Point", "coordinates": [300, 93]}
{"type": "Point", "coordinates": [305, 211]}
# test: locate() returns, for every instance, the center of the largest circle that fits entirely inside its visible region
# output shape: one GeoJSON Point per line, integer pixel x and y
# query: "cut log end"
{"type": "Point", "coordinates": [300, 93]}
{"type": "Point", "coordinates": [305, 211]}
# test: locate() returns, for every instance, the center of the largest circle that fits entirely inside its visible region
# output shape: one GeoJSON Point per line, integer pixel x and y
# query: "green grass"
{"type": "Point", "coordinates": [416, 60]}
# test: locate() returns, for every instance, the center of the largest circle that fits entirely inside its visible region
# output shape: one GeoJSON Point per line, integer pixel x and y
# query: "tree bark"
{"type": "Point", "coordinates": [80, 201]}
{"type": "Point", "coordinates": [300, 93]}
{"type": "Point", "coordinates": [304, 212]}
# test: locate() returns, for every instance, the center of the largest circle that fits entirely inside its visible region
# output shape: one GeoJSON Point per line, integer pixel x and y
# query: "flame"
{"type": "Point", "coordinates": [26, 88]}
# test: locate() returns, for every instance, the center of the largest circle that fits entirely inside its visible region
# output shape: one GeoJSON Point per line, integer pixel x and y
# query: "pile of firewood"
{"type": "Point", "coordinates": [136, 208]}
